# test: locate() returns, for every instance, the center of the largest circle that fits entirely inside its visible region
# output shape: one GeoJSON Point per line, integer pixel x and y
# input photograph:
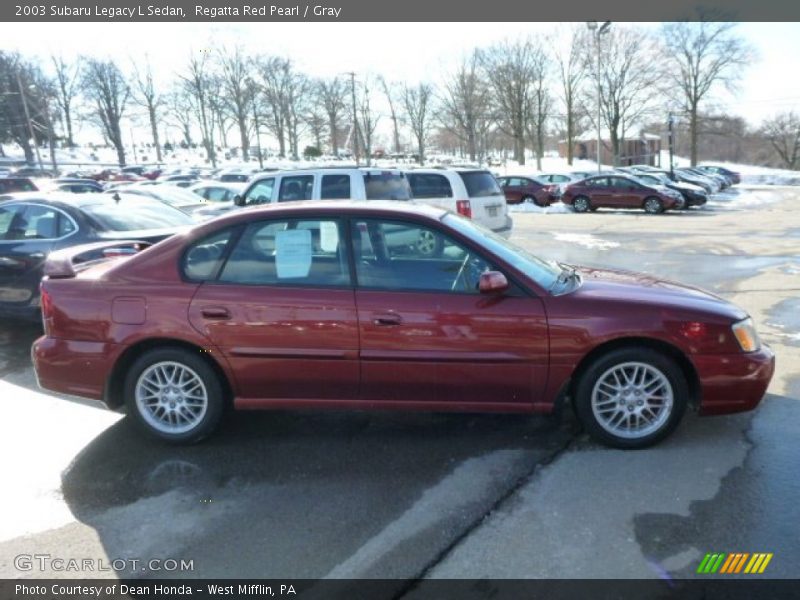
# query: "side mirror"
{"type": "Point", "coordinates": [238, 200]}
{"type": "Point", "coordinates": [492, 282]}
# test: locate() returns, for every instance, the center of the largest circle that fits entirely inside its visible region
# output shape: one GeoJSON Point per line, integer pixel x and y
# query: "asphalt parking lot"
{"type": "Point", "coordinates": [408, 496]}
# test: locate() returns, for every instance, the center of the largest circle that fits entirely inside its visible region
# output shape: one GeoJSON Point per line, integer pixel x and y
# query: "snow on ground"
{"type": "Point", "coordinates": [744, 197]}
{"type": "Point", "coordinates": [586, 240]}
{"type": "Point", "coordinates": [529, 207]}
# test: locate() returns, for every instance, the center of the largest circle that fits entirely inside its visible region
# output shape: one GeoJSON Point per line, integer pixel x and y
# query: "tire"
{"type": "Point", "coordinates": [177, 414]}
{"type": "Point", "coordinates": [653, 205]}
{"type": "Point", "coordinates": [605, 398]}
{"type": "Point", "coordinates": [428, 244]}
{"type": "Point", "coordinates": [581, 204]}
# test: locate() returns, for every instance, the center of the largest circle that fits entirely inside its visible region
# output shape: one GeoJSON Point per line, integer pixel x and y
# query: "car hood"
{"type": "Point", "coordinates": [640, 288]}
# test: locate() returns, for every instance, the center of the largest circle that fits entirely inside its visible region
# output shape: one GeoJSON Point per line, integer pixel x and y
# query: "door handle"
{"type": "Point", "coordinates": [387, 319]}
{"type": "Point", "coordinates": [215, 312]}
{"type": "Point", "coordinates": [37, 255]}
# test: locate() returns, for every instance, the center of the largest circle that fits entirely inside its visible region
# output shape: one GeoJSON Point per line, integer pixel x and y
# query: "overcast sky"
{"type": "Point", "coordinates": [399, 51]}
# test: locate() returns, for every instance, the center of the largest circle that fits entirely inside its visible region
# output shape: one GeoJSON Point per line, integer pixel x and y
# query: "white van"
{"type": "Point", "coordinates": [473, 193]}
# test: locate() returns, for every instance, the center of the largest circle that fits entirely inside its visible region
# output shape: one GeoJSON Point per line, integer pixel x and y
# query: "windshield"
{"type": "Point", "coordinates": [132, 213]}
{"type": "Point", "coordinates": [545, 273]}
{"type": "Point", "coordinates": [386, 185]}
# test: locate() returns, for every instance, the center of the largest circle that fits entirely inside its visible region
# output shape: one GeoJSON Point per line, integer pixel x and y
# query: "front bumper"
{"type": "Point", "coordinates": [733, 383]}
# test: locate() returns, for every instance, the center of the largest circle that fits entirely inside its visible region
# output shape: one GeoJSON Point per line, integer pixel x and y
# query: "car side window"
{"type": "Point", "coordinates": [35, 223]}
{"type": "Point", "coordinates": [216, 194]}
{"type": "Point", "coordinates": [296, 187]}
{"type": "Point", "coordinates": [403, 256]}
{"type": "Point", "coordinates": [335, 187]}
{"type": "Point", "coordinates": [7, 217]}
{"type": "Point", "coordinates": [202, 259]}
{"type": "Point", "coordinates": [306, 252]}
{"type": "Point", "coordinates": [600, 182]}
{"type": "Point", "coordinates": [261, 192]}
{"type": "Point", "coordinates": [430, 185]}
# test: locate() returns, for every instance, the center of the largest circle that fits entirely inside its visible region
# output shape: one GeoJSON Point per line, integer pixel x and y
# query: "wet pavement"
{"type": "Point", "coordinates": [355, 494]}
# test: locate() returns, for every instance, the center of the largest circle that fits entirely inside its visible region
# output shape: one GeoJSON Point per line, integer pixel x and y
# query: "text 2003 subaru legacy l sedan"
{"type": "Point", "coordinates": [328, 304]}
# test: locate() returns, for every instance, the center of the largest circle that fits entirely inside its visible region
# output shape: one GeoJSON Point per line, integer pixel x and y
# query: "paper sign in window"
{"type": "Point", "coordinates": [293, 253]}
{"type": "Point", "coordinates": [328, 236]}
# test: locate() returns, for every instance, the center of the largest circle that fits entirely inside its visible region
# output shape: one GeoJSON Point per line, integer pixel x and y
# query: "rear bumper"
{"type": "Point", "coordinates": [72, 367]}
{"type": "Point", "coordinates": [733, 383]}
{"type": "Point", "coordinates": [505, 230]}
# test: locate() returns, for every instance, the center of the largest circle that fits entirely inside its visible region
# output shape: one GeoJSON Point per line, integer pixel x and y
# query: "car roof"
{"type": "Point", "coordinates": [68, 199]}
{"type": "Point", "coordinates": [378, 208]}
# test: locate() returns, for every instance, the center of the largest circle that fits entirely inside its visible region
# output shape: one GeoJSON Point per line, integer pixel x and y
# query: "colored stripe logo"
{"type": "Point", "coordinates": [733, 563]}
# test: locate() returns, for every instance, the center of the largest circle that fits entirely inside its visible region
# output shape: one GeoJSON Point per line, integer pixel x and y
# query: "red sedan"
{"type": "Point", "coordinates": [620, 191]}
{"type": "Point", "coordinates": [519, 190]}
{"type": "Point", "coordinates": [327, 304]}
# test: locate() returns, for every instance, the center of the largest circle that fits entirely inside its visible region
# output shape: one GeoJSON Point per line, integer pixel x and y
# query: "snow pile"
{"type": "Point", "coordinates": [530, 207]}
{"type": "Point", "coordinates": [744, 198]}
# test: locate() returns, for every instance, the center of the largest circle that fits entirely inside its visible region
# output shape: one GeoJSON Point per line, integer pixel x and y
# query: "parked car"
{"type": "Point", "coordinates": [732, 175]}
{"type": "Point", "coordinates": [184, 180]}
{"type": "Point", "coordinates": [10, 185]}
{"type": "Point", "coordinates": [256, 311]}
{"type": "Point", "coordinates": [693, 195]}
{"type": "Point", "coordinates": [217, 191]}
{"type": "Point", "coordinates": [35, 224]}
{"type": "Point", "coordinates": [711, 186]}
{"type": "Point", "coordinates": [723, 181]}
{"type": "Point", "coordinates": [171, 195]}
{"type": "Point", "coordinates": [678, 175]}
{"type": "Point", "coordinates": [472, 193]}
{"type": "Point", "coordinates": [74, 185]}
{"type": "Point", "coordinates": [519, 190]}
{"type": "Point", "coordinates": [619, 191]}
{"type": "Point", "coordinates": [34, 172]}
{"type": "Point", "coordinates": [562, 180]}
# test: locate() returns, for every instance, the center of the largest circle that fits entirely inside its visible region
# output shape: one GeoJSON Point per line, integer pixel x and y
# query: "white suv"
{"type": "Point", "coordinates": [473, 193]}
{"type": "Point", "coordinates": [318, 184]}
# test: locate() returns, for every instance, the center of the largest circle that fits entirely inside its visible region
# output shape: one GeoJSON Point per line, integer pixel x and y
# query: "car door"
{"type": "Point", "coordinates": [28, 232]}
{"type": "Point", "coordinates": [628, 192]}
{"type": "Point", "coordinates": [429, 338]}
{"type": "Point", "coordinates": [280, 308]}
{"type": "Point", "coordinates": [601, 191]}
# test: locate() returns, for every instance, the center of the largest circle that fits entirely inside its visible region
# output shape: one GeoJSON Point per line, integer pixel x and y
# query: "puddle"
{"type": "Point", "coordinates": [786, 316]}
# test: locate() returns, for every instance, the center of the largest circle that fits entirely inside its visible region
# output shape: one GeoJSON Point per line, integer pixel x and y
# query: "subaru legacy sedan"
{"type": "Point", "coordinates": [331, 305]}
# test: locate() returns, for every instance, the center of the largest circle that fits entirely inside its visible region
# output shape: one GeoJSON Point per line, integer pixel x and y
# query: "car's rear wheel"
{"type": "Point", "coordinates": [174, 394]}
{"type": "Point", "coordinates": [531, 200]}
{"type": "Point", "coordinates": [631, 397]}
{"type": "Point", "coordinates": [428, 244]}
{"type": "Point", "coordinates": [581, 204]}
{"type": "Point", "coordinates": [653, 205]}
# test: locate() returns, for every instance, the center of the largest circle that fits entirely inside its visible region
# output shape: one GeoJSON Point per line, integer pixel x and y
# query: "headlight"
{"type": "Point", "coordinates": [746, 335]}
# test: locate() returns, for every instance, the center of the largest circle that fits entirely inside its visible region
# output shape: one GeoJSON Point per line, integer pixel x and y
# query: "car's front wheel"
{"type": "Point", "coordinates": [581, 204]}
{"type": "Point", "coordinates": [631, 397]}
{"type": "Point", "coordinates": [653, 205]}
{"type": "Point", "coordinates": [174, 395]}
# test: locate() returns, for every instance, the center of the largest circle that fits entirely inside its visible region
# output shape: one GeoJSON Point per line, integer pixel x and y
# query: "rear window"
{"type": "Point", "coordinates": [428, 185]}
{"type": "Point", "coordinates": [480, 183]}
{"type": "Point", "coordinates": [8, 186]}
{"type": "Point", "coordinates": [386, 185]}
{"type": "Point", "coordinates": [132, 213]}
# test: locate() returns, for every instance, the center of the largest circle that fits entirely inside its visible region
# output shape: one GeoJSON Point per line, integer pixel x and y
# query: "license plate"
{"type": "Point", "coordinates": [492, 210]}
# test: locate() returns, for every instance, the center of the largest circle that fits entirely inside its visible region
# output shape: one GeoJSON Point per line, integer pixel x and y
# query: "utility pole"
{"type": "Point", "coordinates": [258, 135]}
{"type": "Point", "coordinates": [671, 146]}
{"type": "Point", "coordinates": [597, 32]}
{"type": "Point", "coordinates": [28, 119]}
{"type": "Point", "coordinates": [355, 115]}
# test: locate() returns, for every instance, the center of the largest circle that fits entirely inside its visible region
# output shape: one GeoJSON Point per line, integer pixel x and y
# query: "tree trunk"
{"type": "Point", "coordinates": [242, 122]}
{"type": "Point", "coordinates": [154, 129]}
{"type": "Point", "coordinates": [68, 119]}
{"type": "Point", "coordinates": [693, 133]}
{"type": "Point", "coordinates": [471, 145]}
{"type": "Point", "coordinates": [570, 141]}
{"type": "Point", "coordinates": [334, 136]}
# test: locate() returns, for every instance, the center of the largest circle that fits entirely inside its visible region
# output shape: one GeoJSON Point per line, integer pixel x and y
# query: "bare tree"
{"type": "Point", "coordinates": [179, 108]}
{"type": "Point", "coordinates": [511, 68]}
{"type": "Point", "coordinates": [146, 96]}
{"type": "Point", "coordinates": [465, 104]}
{"type": "Point", "coordinates": [783, 133]}
{"type": "Point", "coordinates": [237, 92]}
{"type": "Point", "coordinates": [333, 95]}
{"type": "Point", "coordinates": [389, 92]}
{"type": "Point", "coordinates": [702, 56]}
{"type": "Point", "coordinates": [540, 101]}
{"type": "Point", "coordinates": [296, 105]}
{"type": "Point", "coordinates": [367, 122]}
{"type": "Point", "coordinates": [317, 122]}
{"type": "Point", "coordinates": [201, 86]}
{"type": "Point", "coordinates": [629, 83]}
{"type": "Point", "coordinates": [572, 72]}
{"type": "Point", "coordinates": [275, 73]}
{"type": "Point", "coordinates": [417, 102]}
{"type": "Point", "coordinates": [68, 83]}
{"type": "Point", "coordinates": [105, 86]}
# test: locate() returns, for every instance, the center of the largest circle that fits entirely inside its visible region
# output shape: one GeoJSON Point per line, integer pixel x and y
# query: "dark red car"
{"type": "Point", "coordinates": [327, 305]}
{"type": "Point", "coordinates": [519, 190]}
{"type": "Point", "coordinates": [620, 191]}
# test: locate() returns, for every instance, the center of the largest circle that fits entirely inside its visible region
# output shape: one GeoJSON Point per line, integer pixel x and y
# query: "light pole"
{"type": "Point", "coordinates": [596, 33]}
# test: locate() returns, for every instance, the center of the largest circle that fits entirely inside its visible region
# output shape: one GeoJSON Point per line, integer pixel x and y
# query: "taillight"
{"type": "Point", "coordinates": [46, 304]}
{"type": "Point", "coordinates": [464, 209]}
